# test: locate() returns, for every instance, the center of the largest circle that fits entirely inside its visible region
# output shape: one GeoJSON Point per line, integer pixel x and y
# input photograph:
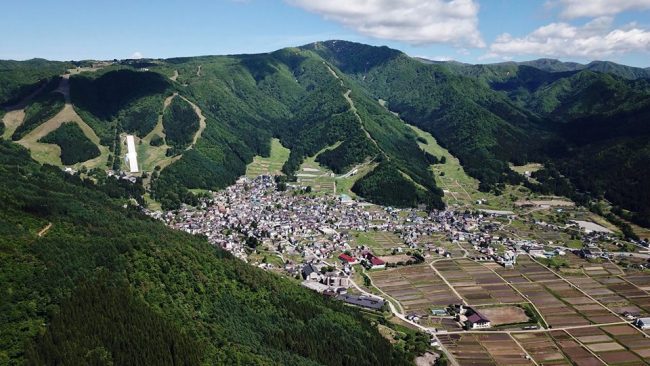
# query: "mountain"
{"type": "Point", "coordinates": [87, 279]}
{"type": "Point", "coordinates": [554, 66]}
{"type": "Point", "coordinates": [583, 124]}
{"type": "Point", "coordinates": [199, 120]}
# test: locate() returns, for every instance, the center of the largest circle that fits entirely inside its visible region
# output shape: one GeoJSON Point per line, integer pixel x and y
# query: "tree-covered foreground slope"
{"type": "Point", "coordinates": [84, 280]}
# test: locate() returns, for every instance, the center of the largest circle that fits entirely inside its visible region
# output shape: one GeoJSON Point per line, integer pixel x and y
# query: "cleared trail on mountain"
{"type": "Point", "coordinates": [50, 153]}
{"type": "Point", "coordinates": [202, 124]}
{"type": "Point", "coordinates": [15, 114]}
{"type": "Point", "coordinates": [353, 108]}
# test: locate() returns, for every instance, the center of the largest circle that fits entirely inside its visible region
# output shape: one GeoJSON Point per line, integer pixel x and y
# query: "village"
{"type": "Point", "coordinates": [315, 238]}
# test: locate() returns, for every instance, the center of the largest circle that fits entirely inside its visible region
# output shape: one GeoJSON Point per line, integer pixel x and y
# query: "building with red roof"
{"type": "Point", "coordinates": [347, 258]}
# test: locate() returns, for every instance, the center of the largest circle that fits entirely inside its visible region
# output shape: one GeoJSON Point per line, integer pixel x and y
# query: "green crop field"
{"type": "Point", "coordinates": [271, 165]}
{"type": "Point", "coordinates": [460, 189]}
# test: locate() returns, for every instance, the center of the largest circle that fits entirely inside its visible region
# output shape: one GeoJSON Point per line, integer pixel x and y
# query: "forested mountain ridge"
{"type": "Point", "coordinates": [323, 99]}
{"type": "Point", "coordinates": [84, 280]}
{"type": "Point", "coordinates": [582, 124]}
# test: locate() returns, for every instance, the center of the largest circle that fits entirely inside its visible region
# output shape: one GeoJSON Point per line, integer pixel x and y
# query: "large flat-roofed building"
{"type": "Point", "coordinates": [131, 155]}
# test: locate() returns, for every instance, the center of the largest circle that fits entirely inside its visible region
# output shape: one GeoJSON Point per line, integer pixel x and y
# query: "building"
{"type": "Point", "coordinates": [368, 302]}
{"type": "Point", "coordinates": [643, 323]}
{"type": "Point", "coordinates": [477, 321]}
{"type": "Point", "coordinates": [131, 155]}
{"type": "Point", "coordinates": [349, 259]}
{"type": "Point", "coordinates": [374, 262]}
{"type": "Point", "coordinates": [310, 272]}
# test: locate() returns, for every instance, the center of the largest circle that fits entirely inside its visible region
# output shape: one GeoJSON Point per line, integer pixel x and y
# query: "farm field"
{"type": "Point", "coordinates": [381, 242]}
{"type": "Point", "coordinates": [542, 348]}
{"type": "Point", "coordinates": [477, 284]}
{"type": "Point", "coordinates": [271, 165]}
{"type": "Point", "coordinates": [321, 179]}
{"type": "Point", "coordinates": [500, 315]}
{"type": "Point", "coordinates": [416, 287]}
{"type": "Point", "coordinates": [484, 349]}
{"type": "Point", "coordinates": [460, 189]}
{"type": "Point", "coordinates": [324, 181]}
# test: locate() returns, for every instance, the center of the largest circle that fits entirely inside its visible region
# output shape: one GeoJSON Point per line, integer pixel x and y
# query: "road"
{"type": "Point", "coordinates": [401, 316]}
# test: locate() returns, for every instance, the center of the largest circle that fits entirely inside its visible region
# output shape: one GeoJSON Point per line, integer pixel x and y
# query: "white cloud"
{"type": "Point", "coordinates": [595, 8]}
{"type": "Point", "coordinates": [411, 21]}
{"type": "Point", "coordinates": [595, 39]}
{"type": "Point", "coordinates": [136, 55]}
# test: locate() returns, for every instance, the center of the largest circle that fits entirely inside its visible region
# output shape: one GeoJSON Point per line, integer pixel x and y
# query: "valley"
{"type": "Point", "coordinates": [479, 214]}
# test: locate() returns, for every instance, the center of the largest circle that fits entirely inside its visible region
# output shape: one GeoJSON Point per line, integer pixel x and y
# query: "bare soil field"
{"type": "Point", "coordinates": [499, 315]}
{"type": "Point", "coordinates": [396, 258]}
{"type": "Point", "coordinates": [476, 283]}
{"type": "Point", "coordinates": [416, 287]}
{"type": "Point", "coordinates": [541, 348]}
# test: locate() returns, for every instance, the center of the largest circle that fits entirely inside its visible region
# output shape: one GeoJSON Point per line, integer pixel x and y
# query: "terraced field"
{"type": "Point", "coordinates": [271, 165]}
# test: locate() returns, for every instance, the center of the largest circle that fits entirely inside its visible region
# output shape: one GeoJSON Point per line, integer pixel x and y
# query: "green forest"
{"type": "Point", "coordinates": [589, 122]}
{"type": "Point", "coordinates": [104, 284]}
{"type": "Point", "coordinates": [75, 146]}
{"type": "Point", "coordinates": [180, 123]}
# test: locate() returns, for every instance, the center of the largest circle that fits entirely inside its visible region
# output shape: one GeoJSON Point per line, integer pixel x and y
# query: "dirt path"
{"type": "Point", "coordinates": [45, 230]}
{"type": "Point", "coordinates": [50, 153]}
{"type": "Point", "coordinates": [159, 129]}
{"type": "Point", "coordinates": [175, 76]}
{"type": "Point", "coordinates": [198, 71]}
{"type": "Point", "coordinates": [433, 267]}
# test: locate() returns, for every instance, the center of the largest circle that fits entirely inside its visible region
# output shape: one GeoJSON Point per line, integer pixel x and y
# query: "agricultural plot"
{"type": "Point", "coordinates": [484, 349]}
{"type": "Point", "coordinates": [271, 165]}
{"type": "Point", "coordinates": [554, 312]}
{"type": "Point", "coordinates": [317, 176]}
{"type": "Point", "coordinates": [541, 348]}
{"type": "Point", "coordinates": [613, 292]}
{"type": "Point", "coordinates": [635, 343]}
{"type": "Point", "coordinates": [574, 351]}
{"type": "Point", "coordinates": [460, 189]}
{"type": "Point", "coordinates": [477, 284]}
{"type": "Point", "coordinates": [615, 345]}
{"type": "Point", "coordinates": [500, 315]}
{"type": "Point", "coordinates": [586, 307]}
{"type": "Point", "coordinates": [381, 242]}
{"type": "Point", "coordinates": [417, 288]}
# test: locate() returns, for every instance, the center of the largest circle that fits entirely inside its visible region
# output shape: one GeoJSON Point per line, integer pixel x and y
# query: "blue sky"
{"type": "Point", "coordinates": [474, 31]}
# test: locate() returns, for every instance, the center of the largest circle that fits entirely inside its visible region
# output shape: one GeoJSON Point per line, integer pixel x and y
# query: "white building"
{"type": "Point", "coordinates": [131, 155]}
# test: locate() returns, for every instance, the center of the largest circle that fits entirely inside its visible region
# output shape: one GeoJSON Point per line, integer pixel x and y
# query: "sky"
{"type": "Point", "coordinates": [472, 31]}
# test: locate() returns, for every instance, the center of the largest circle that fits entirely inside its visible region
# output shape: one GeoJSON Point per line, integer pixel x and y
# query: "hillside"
{"type": "Point", "coordinates": [322, 101]}
{"type": "Point", "coordinates": [573, 119]}
{"type": "Point", "coordinates": [84, 280]}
